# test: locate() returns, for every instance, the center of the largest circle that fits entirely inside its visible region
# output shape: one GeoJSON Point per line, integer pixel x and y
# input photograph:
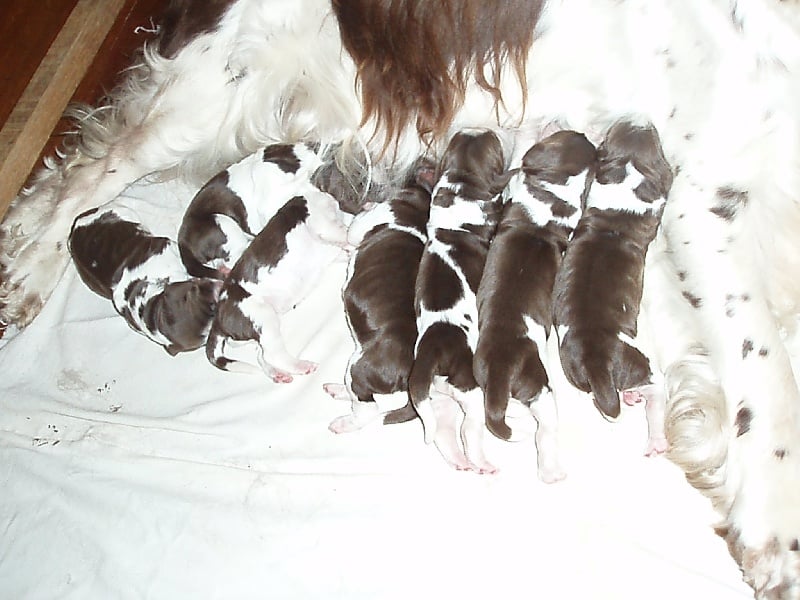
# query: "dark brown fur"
{"type": "Point", "coordinates": [185, 20]}
{"type": "Point", "coordinates": [518, 280]}
{"type": "Point", "coordinates": [599, 287]}
{"type": "Point", "coordinates": [379, 301]}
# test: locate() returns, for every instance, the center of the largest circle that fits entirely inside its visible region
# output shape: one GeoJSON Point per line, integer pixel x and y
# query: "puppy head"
{"type": "Point", "coordinates": [641, 146]}
{"type": "Point", "coordinates": [476, 157]}
{"type": "Point", "coordinates": [560, 156]}
{"type": "Point", "coordinates": [183, 312]}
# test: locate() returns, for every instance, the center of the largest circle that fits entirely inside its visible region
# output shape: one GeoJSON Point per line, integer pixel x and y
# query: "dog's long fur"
{"type": "Point", "coordinates": [717, 78]}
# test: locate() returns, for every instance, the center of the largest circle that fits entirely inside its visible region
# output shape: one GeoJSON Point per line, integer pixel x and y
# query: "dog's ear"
{"type": "Point", "coordinates": [501, 181]}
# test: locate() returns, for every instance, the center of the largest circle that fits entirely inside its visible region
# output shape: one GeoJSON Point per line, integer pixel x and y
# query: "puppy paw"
{"type": "Point", "coordinates": [656, 445]}
{"type": "Point", "coordinates": [280, 376]}
{"type": "Point", "coordinates": [337, 391]}
{"type": "Point", "coordinates": [304, 367]}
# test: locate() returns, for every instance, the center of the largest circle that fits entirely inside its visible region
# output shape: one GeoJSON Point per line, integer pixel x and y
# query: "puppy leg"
{"type": "Point", "coordinates": [473, 427]}
{"type": "Point", "coordinates": [545, 412]}
{"type": "Point", "coordinates": [654, 399]}
{"type": "Point", "coordinates": [446, 437]}
{"type": "Point", "coordinates": [274, 358]}
{"type": "Point", "coordinates": [362, 413]}
{"type": "Point", "coordinates": [326, 220]}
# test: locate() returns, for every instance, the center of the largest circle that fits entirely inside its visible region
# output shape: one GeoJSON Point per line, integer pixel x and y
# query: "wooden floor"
{"type": "Point", "coordinates": [51, 52]}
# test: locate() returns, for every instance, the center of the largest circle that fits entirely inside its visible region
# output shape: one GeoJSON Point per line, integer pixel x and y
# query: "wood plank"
{"type": "Point", "coordinates": [33, 118]}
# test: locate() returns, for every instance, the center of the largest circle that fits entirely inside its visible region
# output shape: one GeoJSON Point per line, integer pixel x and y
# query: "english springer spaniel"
{"type": "Point", "coordinates": [378, 295]}
{"type": "Point", "coordinates": [465, 209]}
{"type": "Point", "coordinates": [278, 269]}
{"type": "Point", "coordinates": [598, 288]}
{"type": "Point", "coordinates": [717, 78]}
{"type": "Point", "coordinates": [515, 315]}
{"type": "Point", "coordinates": [229, 210]}
{"type": "Point", "coordinates": [144, 278]}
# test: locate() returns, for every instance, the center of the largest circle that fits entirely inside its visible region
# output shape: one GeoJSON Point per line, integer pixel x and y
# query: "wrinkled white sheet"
{"type": "Point", "coordinates": [127, 473]}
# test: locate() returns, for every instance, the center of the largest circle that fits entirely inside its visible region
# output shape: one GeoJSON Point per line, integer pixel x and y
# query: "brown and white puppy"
{"type": "Point", "coordinates": [599, 286]}
{"type": "Point", "coordinates": [378, 299]}
{"type": "Point", "coordinates": [144, 277]}
{"type": "Point", "coordinates": [278, 269]}
{"type": "Point", "coordinates": [515, 297]}
{"type": "Point", "coordinates": [465, 208]}
{"type": "Point", "coordinates": [234, 205]}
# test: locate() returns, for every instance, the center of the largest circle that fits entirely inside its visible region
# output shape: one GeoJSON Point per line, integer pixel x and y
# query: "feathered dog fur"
{"type": "Point", "coordinates": [717, 78]}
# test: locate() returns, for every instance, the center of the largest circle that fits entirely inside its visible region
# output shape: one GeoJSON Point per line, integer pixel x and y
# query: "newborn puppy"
{"type": "Point", "coordinates": [379, 303]}
{"type": "Point", "coordinates": [234, 205]}
{"type": "Point", "coordinates": [599, 286]}
{"type": "Point", "coordinates": [515, 295]}
{"type": "Point", "coordinates": [144, 278]}
{"type": "Point", "coordinates": [465, 208]}
{"type": "Point", "coordinates": [279, 268]}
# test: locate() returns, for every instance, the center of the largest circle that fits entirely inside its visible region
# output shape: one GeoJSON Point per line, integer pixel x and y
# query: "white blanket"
{"type": "Point", "coordinates": [127, 473]}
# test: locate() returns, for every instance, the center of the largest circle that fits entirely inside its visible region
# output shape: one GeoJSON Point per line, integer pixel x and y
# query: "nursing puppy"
{"type": "Point", "coordinates": [379, 302]}
{"type": "Point", "coordinates": [599, 286]}
{"type": "Point", "coordinates": [515, 315]}
{"type": "Point", "coordinates": [234, 205]}
{"type": "Point", "coordinates": [144, 278]}
{"type": "Point", "coordinates": [465, 208]}
{"type": "Point", "coordinates": [278, 269]}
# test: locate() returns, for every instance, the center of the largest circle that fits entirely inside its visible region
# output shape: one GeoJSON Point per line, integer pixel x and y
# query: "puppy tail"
{"type": "Point", "coordinates": [400, 415]}
{"type": "Point", "coordinates": [496, 386]}
{"type": "Point", "coordinates": [420, 379]}
{"type": "Point", "coordinates": [604, 392]}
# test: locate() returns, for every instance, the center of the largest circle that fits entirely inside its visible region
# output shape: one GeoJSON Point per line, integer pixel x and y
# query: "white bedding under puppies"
{"type": "Point", "coordinates": [127, 473]}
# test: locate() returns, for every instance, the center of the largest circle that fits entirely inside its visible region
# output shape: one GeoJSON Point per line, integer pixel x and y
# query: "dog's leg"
{"type": "Point", "coordinates": [446, 438]}
{"type": "Point", "coordinates": [653, 396]}
{"type": "Point", "coordinates": [545, 412]}
{"type": "Point", "coordinates": [472, 428]}
{"type": "Point", "coordinates": [326, 220]}
{"type": "Point", "coordinates": [362, 413]}
{"type": "Point", "coordinates": [274, 358]}
{"type": "Point", "coordinates": [761, 496]}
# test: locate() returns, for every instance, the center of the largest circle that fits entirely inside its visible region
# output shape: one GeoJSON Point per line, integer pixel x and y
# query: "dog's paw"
{"type": "Point", "coordinates": [763, 526]}
{"type": "Point", "coordinates": [280, 376]}
{"type": "Point", "coordinates": [772, 568]}
{"type": "Point", "coordinates": [27, 281]}
{"type": "Point", "coordinates": [337, 391]}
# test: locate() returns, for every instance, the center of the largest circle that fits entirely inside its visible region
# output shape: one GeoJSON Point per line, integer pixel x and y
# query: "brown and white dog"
{"type": "Point", "coordinates": [144, 277]}
{"type": "Point", "coordinates": [465, 208]}
{"type": "Point", "coordinates": [378, 295]}
{"type": "Point", "coordinates": [598, 289]}
{"type": "Point", "coordinates": [278, 269]}
{"type": "Point", "coordinates": [234, 205]}
{"type": "Point", "coordinates": [515, 316]}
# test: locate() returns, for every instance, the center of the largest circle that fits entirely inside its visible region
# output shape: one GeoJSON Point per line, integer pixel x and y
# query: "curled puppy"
{"type": "Point", "coordinates": [280, 267]}
{"type": "Point", "coordinates": [465, 208]}
{"type": "Point", "coordinates": [515, 295]}
{"type": "Point", "coordinates": [144, 277]}
{"type": "Point", "coordinates": [379, 303]}
{"type": "Point", "coordinates": [233, 206]}
{"type": "Point", "coordinates": [599, 286]}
